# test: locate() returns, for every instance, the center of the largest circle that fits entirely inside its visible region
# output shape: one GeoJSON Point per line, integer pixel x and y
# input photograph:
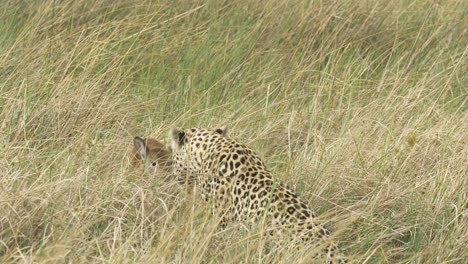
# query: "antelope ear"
{"type": "Point", "coordinates": [140, 146]}
{"type": "Point", "coordinates": [177, 138]}
{"type": "Point", "coordinates": [223, 130]}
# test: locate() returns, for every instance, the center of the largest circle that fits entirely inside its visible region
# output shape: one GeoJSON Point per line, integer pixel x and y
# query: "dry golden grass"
{"type": "Point", "coordinates": [361, 106]}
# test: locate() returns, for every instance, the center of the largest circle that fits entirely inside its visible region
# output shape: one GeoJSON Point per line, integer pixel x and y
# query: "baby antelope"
{"type": "Point", "coordinates": [153, 153]}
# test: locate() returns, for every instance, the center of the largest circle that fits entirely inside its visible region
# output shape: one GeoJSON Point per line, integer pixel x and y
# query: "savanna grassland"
{"type": "Point", "coordinates": [360, 106]}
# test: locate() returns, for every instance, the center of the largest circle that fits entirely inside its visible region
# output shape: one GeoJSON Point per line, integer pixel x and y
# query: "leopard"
{"type": "Point", "coordinates": [241, 188]}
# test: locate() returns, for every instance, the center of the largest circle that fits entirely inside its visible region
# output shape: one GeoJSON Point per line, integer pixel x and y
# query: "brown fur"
{"type": "Point", "coordinates": [155, 151]}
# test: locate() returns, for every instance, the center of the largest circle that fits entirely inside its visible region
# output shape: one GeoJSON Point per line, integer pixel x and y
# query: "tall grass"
{"type": "Point", "coordinates": [360, 106]}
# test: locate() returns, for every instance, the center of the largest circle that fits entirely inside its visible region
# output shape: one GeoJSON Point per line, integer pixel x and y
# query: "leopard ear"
{"type": "Point", "coordinates": [177, 138]}
{"type": "Point", "coordinates": [168, 147]}
{"type": "Point", "coordinates": [223, 130]}
{"type": "Point", "coordinates": [140, 146]}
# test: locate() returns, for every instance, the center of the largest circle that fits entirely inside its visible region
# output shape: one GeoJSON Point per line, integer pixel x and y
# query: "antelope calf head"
{"type": "Point", "coordinates": [156, 156]}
